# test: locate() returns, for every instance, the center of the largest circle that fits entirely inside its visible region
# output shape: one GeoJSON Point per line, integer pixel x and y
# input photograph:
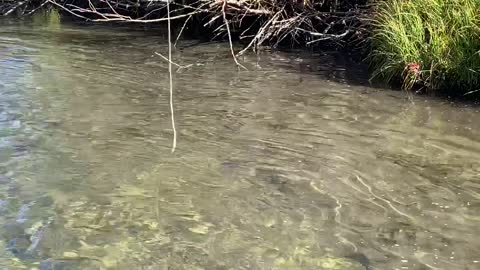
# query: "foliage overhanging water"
{"type": "Point", "coordinates": [290, 165]}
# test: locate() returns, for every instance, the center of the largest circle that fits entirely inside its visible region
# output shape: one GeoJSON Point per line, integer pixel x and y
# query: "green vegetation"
{"type": "Point", "coordinates": [428, 44]}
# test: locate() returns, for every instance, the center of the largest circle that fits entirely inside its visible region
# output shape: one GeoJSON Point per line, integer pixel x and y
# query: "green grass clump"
{"type": "Point", "coordinates": [431, 44]}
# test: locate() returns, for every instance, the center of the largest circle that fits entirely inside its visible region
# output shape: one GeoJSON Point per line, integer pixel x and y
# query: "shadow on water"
{"type": "Point", "coordinates": [293, 164]}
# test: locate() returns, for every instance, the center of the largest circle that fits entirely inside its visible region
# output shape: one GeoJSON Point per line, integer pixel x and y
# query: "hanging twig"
{"type": "Point", "coordinates": [230, 36]}
{"type": "Point", "coordinates": [15, 7]}
{"type": "Point", "coordinates": [37, 8]}
{"type": "Point", "coordinates": [254, 42]}
{"type": "Point", "coordinates": [170, 77]}
{"type": "Point", "coordinates": [116, 17]}
{"type": "Point", "coordinates": [67, 9]}
{"type": "Point", "coordinates": [181, 30]}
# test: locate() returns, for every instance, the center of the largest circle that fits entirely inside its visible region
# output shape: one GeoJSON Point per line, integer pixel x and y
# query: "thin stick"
{"type": "Point", "coordinates": [37, 8]}
{"type": "Point", "coordinates": [230, 36]}
{"type": "Point", "coordinates": [181, 31]}
{"type": "Point", "coordinates": [116, 18]}
{"type": "Point", "coordinates": [180, 67]}
{"type": "Point", "coordinates": [170, 76]}
{"type": "Point", "coordinates": [68, 10]}
{"type": "Point", "coordinates": [254, 42]}
{"type": "Point", "coordinates": [15, 8]}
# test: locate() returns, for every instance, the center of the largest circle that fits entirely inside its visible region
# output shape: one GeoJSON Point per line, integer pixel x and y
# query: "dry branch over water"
{"type": "Point", "coordinates": [262, 22]}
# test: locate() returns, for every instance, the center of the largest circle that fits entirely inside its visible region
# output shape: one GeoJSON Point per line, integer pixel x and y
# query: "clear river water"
{"type": "Point", "coordinates": [295, 163]}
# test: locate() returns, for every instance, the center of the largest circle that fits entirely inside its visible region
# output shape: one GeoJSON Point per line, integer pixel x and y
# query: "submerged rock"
{"type": "Point", "coordinates": [48, 264]}
{"type": "Point", "coordinates": [23, 212]}
{"type": "Point", "coordinates": [3, 205]}
{"type": "Point", "coordinates": [23, 241]}
{"type": "Point", "coordinates": [35, 238]}
{"type": "Point", "coordinates": [19, 242]}
{"type": "Point", "coordinates": [322, 263]}
{"type": "Point", "coordinates": [12, 230]}
{"type": "Point", "coordinates": [18, 245]}
{"type": "Point", "coordinates": [4, 179]}
{"type": "Point", "coordinates": [361, 258]}
{"type": "Point", "coordinates": [52, 264]}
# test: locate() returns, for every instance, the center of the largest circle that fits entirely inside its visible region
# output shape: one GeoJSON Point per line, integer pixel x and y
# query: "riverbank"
{"type": "Point", "coordinates": [428, 45]}
{"type": "Point", "coordinates": [422, 45]}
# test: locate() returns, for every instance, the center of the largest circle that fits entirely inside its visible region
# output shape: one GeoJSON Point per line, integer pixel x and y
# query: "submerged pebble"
{"type": "Point", "coordinates": [4, 179]}
{"type": "Point", "coordinates": [3, 205]}
{"type": "Point", "coordinates": [52, 264]}
{"type": "Point", "coordinates": [70, 254]}
{"type": "Point", "coordinates": [22, 240]}
{"type": "Point", "coordinates": [48, 264]}
{"type": "Point", "coordinates": [19, 245]}
{"type": "Point", "coordinates": [35, 239]}
{"type": "Point", "coordinates": [12, 230]}
{"type": "Point", "coordinates": [23, 212]}
{"type": "Point", "coordinates": [361, 258]}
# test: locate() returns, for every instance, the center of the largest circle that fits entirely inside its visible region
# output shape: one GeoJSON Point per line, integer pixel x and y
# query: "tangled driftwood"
{"type": "Point", "coordinates": [262, 22]}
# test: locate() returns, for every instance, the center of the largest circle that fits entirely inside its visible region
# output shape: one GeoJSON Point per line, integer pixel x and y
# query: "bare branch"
{"type": "Point", "coordinates": [67, 10]}
{"type": "Point", "coordinates": [181, 31]}
{"type": "Point", "coordinates": [230, 35]}
{"type": "Point", "coordinates": [12, 9]}
{"type": "Point", "coordinates": [170, 61]}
